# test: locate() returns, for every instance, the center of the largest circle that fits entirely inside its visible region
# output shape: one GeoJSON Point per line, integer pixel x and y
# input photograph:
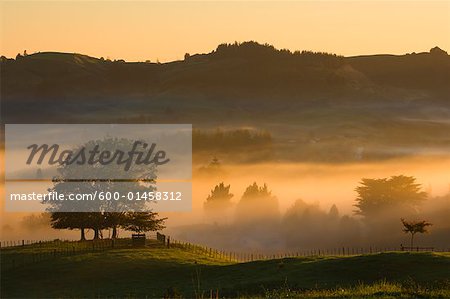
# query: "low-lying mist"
{"type": "Point", "coordinates": [310, 206]}
{"type": "Point", "coordinates": [314, 207]}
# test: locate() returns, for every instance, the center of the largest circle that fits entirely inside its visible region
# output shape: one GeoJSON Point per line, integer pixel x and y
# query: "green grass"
{"type": "Point", "coordinates": [380, 289]}
{"type": "Point", "coordinates": [157, 271]}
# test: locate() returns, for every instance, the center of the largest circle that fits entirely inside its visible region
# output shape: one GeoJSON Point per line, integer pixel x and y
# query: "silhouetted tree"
{"type": "Point", "coordinates": [99, 214]}
{"type": "Point", "coordinates": [143, 222]}
{"type": "Point", "coordinates": [219, 198]}
{"type": "Point", "coordinates": [376, 196]}
{"type": "Point", "coordinates": [214, 168]}
{"type": "Point", "coordinates": [334, 212]}
{"type": "Point", "coordinates": [114, 220]}
{"type": "Point", "coordinates": [438, 51]}
{"type": "Point", "coordinates": [71, 220]}
{"type": "Point", "coordinates": [414, 227]}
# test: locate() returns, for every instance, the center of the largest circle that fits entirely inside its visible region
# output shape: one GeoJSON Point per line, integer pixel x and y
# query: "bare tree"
{"type": "Point", "coordinates": [414, 227]}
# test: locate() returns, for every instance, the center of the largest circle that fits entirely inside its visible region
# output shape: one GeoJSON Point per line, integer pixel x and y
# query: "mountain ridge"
{"type": "Point", "coordinates": [246, 66]}
{"type": "Point", "coordinates": [317, 106]}
{"type": "Point", "coordinates": [235, 83]}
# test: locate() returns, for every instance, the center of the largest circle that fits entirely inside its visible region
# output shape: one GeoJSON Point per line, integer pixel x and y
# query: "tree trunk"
{"type": "Point", "coordinates": [114, 232]}
{"type": "Point", "coordinates": [412, 241]}
{"type": "Point", "coordinates": [96, 234]}
{"type": "Point", "coordinates": [83, 236]}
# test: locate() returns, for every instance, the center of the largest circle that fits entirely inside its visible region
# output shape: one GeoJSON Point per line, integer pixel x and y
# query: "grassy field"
{"type": "Point", "coordinates": [177, 272]}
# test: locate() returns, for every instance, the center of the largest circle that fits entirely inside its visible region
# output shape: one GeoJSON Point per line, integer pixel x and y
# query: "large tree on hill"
{"type": "Point", "coordinates": [379, 196]}
{"type": "Point", "coordinates": [82, 221]}
{"type": "Point", "coordinates": [114, 220]}
{"type": "Point", "coordinates": [70, 220]}
{"type": "Point", "coordinates": [99, 214]}
{"type": "Point", "coordinates": [142, 222]}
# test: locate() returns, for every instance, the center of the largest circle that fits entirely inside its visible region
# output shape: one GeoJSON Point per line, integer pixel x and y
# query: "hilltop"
{"type": "Point", "coordinates": [317, 106]}
{"type": "Point", "coordinates": [248, 69]}
{"type": "Point", "coordinates": [158, 271]}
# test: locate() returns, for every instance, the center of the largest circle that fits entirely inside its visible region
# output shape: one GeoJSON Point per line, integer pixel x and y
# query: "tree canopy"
{"type": "Point", "coordinates": [102, 214]}
{"type": "Point", "coordinates": [257, 204]}
{"type": "Point", "coordinates": [376, 196]}
{"type": "Point", "coordinates": [143, 222]}
{"type": "Point", "coordinates": [219, 198]}
{"type": "Point", "coordinates": [414, 227]}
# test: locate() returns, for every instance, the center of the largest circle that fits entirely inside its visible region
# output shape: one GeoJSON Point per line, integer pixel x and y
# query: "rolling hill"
{"type": "Point", "coordinates": [387, 105]}
{"type": "Point", "coordinates": [156, 272]}
{"type": "Point", "coordinates": [248, 69]}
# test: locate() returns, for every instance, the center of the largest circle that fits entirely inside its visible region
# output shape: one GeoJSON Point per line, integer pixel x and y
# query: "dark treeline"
{"type": "Point", "coordinates": [255, 51]}
{"type": "Point", "coordinates": [104, 212]}
{"type": "Point", "coordinates": [243, 70]}
{"type": "Point", "coordinates": [98, 221]}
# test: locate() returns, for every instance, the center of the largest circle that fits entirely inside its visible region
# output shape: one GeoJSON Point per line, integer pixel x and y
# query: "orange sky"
{"type": "Point", "coordinates": [141, 30]}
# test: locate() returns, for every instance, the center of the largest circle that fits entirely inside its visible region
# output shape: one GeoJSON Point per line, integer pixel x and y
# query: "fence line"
{"type": "Point", "coordinates": [61, 248]}
{"type": "Point", "coordinates": [255, 256]}
{"type": "Point", "coordinates": [23, 242]}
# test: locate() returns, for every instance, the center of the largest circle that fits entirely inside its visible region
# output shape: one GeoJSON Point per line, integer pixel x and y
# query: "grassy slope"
{"type": "Point", "coordinates": [151, 272]}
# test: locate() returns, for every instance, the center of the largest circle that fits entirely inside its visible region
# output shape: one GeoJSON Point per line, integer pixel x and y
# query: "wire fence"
{"type": "Point", "coordinates": [14, 254]}
{"type": "Point", "coordinates": [44, 242]}
{"type": "Point", "coordinates": [254, 256]}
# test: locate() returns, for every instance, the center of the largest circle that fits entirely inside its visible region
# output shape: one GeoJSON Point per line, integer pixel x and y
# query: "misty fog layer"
{"type": "Point", "coordinates": [313, 207]}
{"type": "Point", "coordinates": [307, 206]}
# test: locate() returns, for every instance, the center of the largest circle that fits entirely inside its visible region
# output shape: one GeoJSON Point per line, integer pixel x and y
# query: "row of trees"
{"type": "Point", "coordinates": [100, 214]}
{"type": "Point", "coordinates": [255, 51]}
{"type": "Point", "coordinates": [257, 202]}
{"type": "Point", "coordinates": [380, 203]}
{"type": "Point", "coordinates": [375, 196]}
{"type": "Point", "coordinates": [98, 221]}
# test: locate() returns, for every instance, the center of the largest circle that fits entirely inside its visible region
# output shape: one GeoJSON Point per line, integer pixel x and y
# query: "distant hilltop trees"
{"type": "Point", "coordinates": [257, 51]}
{"type": "Point", "coordinates": [248, 71]}
{"type": "Point", "coordinates": [438, 51]}
{"type": "Point", "coordinates": [248, 49]}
